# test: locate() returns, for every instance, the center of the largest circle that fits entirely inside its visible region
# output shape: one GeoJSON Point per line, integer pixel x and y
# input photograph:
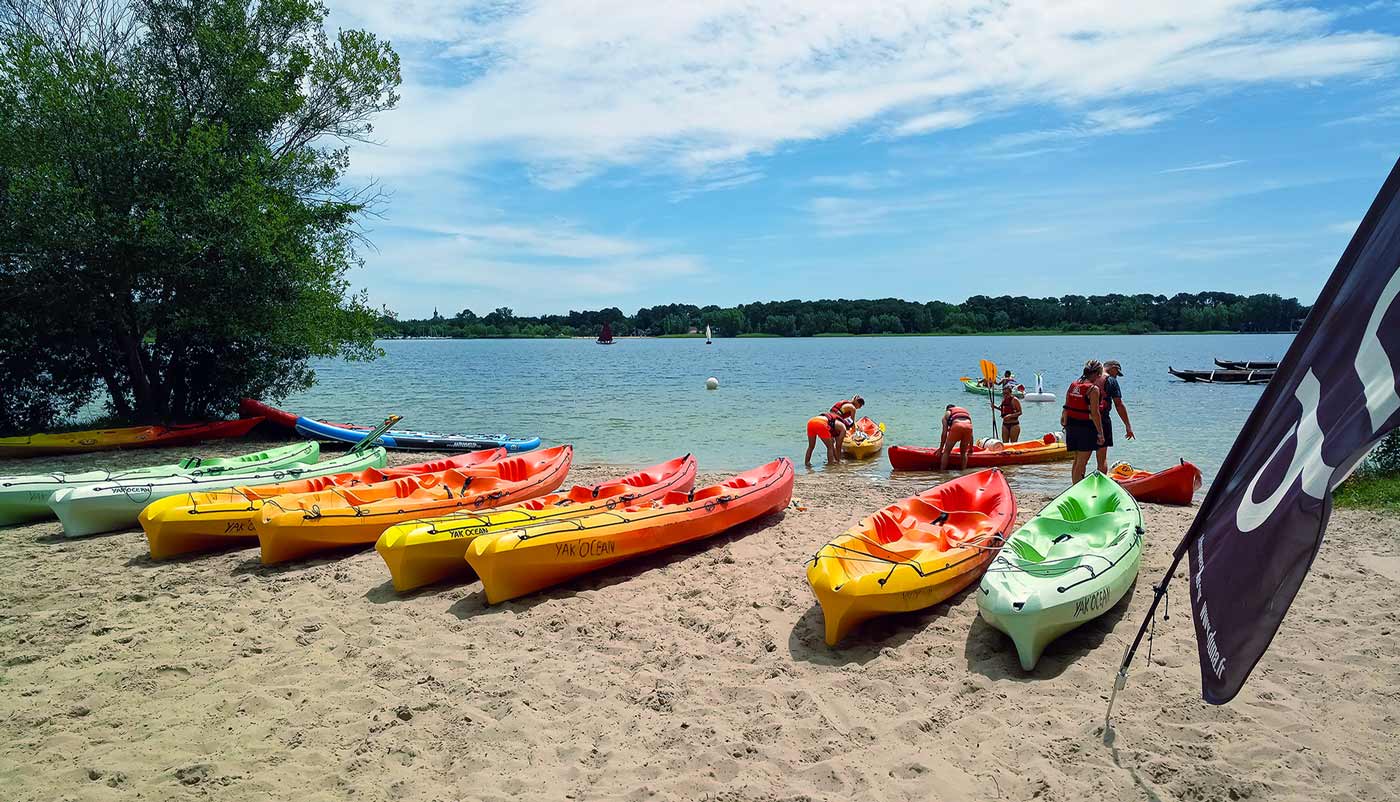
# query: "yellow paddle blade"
{"type": "Point", "coordinates": [882, 428]}
{"type": "Point", "coordinates": [989, 370]}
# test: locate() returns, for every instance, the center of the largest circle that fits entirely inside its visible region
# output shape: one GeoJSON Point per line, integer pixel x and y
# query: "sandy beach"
{"type": "Point", "coordinates": [699, 673]}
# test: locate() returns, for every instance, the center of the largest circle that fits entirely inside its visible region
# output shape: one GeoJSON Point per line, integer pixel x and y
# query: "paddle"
{"type": "Point", "coordinates": [989, 372]}
{"type": "Point", "coordinates": [375, 433]}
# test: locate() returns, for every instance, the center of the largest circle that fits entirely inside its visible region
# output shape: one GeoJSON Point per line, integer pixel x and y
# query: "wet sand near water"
{"type": "Point", "coordinates": [695, 673]}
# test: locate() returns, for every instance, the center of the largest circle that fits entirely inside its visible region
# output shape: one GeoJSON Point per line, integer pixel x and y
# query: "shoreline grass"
{"type": "Point", "coordinates": [1369, 492]}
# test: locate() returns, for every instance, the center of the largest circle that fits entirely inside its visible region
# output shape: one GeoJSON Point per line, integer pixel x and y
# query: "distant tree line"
{"type": "Point", "coordinates": [1128, 314]}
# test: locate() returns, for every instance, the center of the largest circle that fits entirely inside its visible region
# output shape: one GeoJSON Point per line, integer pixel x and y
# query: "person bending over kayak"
{"type": "Point", "coordinates": [1112, 394]}
{"type": "Point", "coordinates": [957, 429]}
{"type": "Point", "coordinates": [1010, 415]}
{"type": "Point", "coordinates": [855, 401]}
{"type": "Point", "coordinates": [830, 428]}
{"type": "Point", "coordinates": [1081, 419]}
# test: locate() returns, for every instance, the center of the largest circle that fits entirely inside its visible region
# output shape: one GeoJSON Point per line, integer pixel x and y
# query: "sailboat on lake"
{"type": "Point", "coordinates": [708, 341]}
{"type": "Point", "coordinates": [606, 337]}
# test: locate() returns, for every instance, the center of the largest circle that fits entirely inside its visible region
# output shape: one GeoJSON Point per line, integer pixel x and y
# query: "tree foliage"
{"type": "Point", "coordinates": [174, 231]}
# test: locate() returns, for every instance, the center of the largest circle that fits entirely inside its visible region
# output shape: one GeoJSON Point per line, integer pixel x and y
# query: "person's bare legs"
{"type": "Point", "coordinates": [834, 448]}
{"type": "Point", "coordinates": [811, 446]}
{"type": "Point", "coordinates": [1081, 461]}
{"type": "Point", "coordinates": [966, 446]}
{"type": "Point", "coordinates": [1102, 454]}
{"type": "Point", "coordinates": [1012, 433]}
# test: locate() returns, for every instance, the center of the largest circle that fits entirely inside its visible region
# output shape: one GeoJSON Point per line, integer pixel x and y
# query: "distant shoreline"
{"type": "Point", "coordinates": [834, 335]}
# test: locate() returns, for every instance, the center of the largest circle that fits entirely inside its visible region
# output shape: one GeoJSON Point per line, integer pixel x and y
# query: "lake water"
{"type": "Point", "coordinates": [643, 401]}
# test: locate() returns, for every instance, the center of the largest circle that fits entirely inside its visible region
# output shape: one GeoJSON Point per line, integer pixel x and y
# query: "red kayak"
{"type": "Point", "coordinates": [1175, 485]}
{"type": "Point", "coordinates": [1046, 449]}
{"type": "Point", "coordinates": [281, 417]}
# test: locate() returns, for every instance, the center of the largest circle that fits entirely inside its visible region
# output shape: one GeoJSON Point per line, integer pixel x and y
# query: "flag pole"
{"type": "Point", "coordinates": [1121, 679]}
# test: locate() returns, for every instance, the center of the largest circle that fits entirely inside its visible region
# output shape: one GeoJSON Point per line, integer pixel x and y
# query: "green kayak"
{"type": "Point", "coordinates": [1068, 565]}
{"type": "Point", "coordinates": [972, 386]}
{"type": "Point", "coordinates": [26, 497]}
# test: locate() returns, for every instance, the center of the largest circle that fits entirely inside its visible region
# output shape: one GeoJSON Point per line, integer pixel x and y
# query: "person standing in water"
{"type": "Point", "coordinates": [1081, 418]}
{"type": "Point", "coordinates": [1112, 395]}
{"type": "Point", "coordinates": [1010, 415]}
{"type": "Point", "coordinates": [830, 428]}
{"type": "Point", "coordinates": [957, 429]}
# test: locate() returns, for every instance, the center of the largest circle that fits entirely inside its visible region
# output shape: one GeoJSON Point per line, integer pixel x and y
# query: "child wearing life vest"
{"type": "Point", "coordinates": [957, 429]}
{"type": "Point", "coordinates": [1082, 419]}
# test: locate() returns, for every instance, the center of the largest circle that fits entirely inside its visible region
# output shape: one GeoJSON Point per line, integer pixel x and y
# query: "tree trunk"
{"type": "Point", "coordinates": [140, 385]}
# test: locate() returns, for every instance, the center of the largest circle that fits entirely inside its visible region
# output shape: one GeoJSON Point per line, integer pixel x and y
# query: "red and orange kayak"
{"type": "Point", "coordinates": [281, 418]}
{"type": "Point", "coordinates": [914, 553]}
{"type": "Point", "coordinates": [1175, 485]}
{"type": "Point", "coordinates": [36, 445]}
{"type": "Point", "coordinates": [422, 552]}
{"type": "Point", "coordinates": [289, 527]}
{"type": "Point", "coordinates": [1046, 449]}
{"type": "Point", "coordinates": [536, 556]}
{"type": "Point", "coordinates": [219, 519]}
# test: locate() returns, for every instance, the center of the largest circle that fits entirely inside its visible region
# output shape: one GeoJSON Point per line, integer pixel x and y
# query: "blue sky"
{"type": "Point", "coordinates": [562, 155]}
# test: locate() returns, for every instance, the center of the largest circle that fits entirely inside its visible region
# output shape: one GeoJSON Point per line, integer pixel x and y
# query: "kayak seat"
{"type": "Point", "coordinates": [740, 482]}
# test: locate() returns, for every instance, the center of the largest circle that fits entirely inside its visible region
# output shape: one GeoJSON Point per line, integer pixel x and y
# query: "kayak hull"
{"type": "Point", "coordinates": [132, 437]}
{"type": "Point", "coordinates": [425, 552]}
{"type": "Point", "coordinates": [293, 527]}
{"type": "Point", "coordinates": [912, 554]}
{"type": "Point", "coordinates": [865, 441]}
{"type": "Point", "coordinates": [1176, 485]}
{"type": "Point", "coordinates": [971, 386]}
{"type": "Point", "coordinates": [221, 519]}
{"type": "Point", "coordinates": [1067, 566]}
{"type": "Point", "coordinates": [528, 559]}
{"type": "Point", "coordinates": [1026, 452]}
{"type": "Point", "coordinates": [112, 506]}
{"type": "Point", "coordinates": [417, 441]}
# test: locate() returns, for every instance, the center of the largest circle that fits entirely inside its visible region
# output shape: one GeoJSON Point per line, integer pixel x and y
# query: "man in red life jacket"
{"type": "Point", "coordinates": [1082, 419]}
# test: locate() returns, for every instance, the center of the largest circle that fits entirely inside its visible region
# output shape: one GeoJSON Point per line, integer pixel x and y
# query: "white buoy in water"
{"type": "Point", "coordinates": [712, 383]}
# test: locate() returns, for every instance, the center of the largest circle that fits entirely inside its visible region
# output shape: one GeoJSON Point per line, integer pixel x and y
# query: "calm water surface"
{"type": "Point", "coordinates": [643, 401]}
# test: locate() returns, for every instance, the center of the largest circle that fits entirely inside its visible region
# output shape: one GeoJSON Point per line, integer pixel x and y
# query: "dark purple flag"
{"type": "Point", "coordinates": [1334, 396]}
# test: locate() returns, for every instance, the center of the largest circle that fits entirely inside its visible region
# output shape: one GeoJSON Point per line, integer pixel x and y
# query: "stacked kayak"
{"type": "Point", "coordinates": [530, 558]}
{"type": "Point", "coordinates": [912, 554]}
{"type": "Point", "coordinates": [865, 439]}
{"type": "Point", "coordinates": [131, 437]}
{"type": "Point", "coordinates": [416, 441]}
{"type": "Point", "coordinates": [109, 506]}
{"type": "Point", "coordinates": [1175, 485]}
{"type": "Point", "coordinates": [280, 418]}
{"type": "Point", "coordinates": [219, 519]}
{"type": "Point", "coordinates": [1065, 567]}
{"type": "Point", "coordinates": [973, 386]}
{"type": "Point", "coordinates": [289, 527]}
{"type": "Point", "coordinates": [1047, 449]}
{"type": "Point", "coordinates": [26, 498]}
{"type": "Point", "coordinates": [422, 552]}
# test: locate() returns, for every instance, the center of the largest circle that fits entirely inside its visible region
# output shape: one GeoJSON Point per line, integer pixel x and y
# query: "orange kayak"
{"type": "Point", "coordinates": [36, 445]}
{"type": "Point", "coordinates": [289, 527]}
{"type": "Point", "coordinates": [912, 554]}
{"type": "Point", "coordinates": [422, 552]}
{"type": "Point", "coordinates": [1047, 449]}
{"type": "Point", "coordinates": [219, 519]}
{"type": "Point", "coordinates": [532, 557]}
{"type": "Point", "coordinates": [1175, 485]}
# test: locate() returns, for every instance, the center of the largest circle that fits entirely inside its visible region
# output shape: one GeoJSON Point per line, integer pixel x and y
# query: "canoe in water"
{"type": "Point", "coordinates": [36, 445]}
{"type": "Point", "coordinates": [1175, 485]}
{"type": "Point", "coordinates": [1231, 364]}
{"type": "Point", "coordinates": [912, 554]}
{"type": "Point", "coordinates": [531, 558]}
{"type": "Point", "coordinates": [422, 552]}
{"type": "Point", "coordinates": [26, 497]}
{"type": "Point", "coordinates": [110, 506]}
{"type": "Point", "coordinates": [219, 519]}
{"type": "Point", "coordinates": [417, 441]}
{"type": "Point", "coordinates": [1067, 566]}
{"type": "Point", "coordinates": [291, 527]}
{"type": "Point", "coordinates": [1047, 449]}
{"type": "Point", "coordinates": [972, 386]}
{"type": "Point", "coordinates": [1223, 376]}
{"type": "Point", "coordinates": [864, 440]}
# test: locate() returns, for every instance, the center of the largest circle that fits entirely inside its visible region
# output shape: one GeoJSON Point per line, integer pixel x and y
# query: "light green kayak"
{"type": "Point", "coordinates": [109, 506]}
{"type": "Point", "coordinates": [1068, 565]}
{"type": "Point", "coordinates": [26, 497]}
{"type": "Point", "coordinates": [972, 386]}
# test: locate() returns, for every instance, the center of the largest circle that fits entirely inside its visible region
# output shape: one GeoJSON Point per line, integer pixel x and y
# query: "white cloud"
{"type": "Point", "coordinates": [572, 88]}
{"type": "Point", "coordinates": [935, 121]}
{"type": "Point", "coordinates": [1192, 168]}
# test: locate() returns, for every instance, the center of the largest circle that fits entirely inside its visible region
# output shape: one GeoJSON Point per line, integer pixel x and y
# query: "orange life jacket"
{"type": "Point", "coordinates": [958, 412]}
{"type": "Point", "coordinates": [1077, 400]}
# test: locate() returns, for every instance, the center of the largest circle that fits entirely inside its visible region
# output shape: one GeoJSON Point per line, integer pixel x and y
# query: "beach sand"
{"type": "Point", "coordinates": [698, 673]}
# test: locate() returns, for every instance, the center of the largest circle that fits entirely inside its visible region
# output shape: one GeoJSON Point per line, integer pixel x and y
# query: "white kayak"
{"type": "Point", "coordinates": [110, 506]}
{"type": "Point", "coordinates": [26, 497]}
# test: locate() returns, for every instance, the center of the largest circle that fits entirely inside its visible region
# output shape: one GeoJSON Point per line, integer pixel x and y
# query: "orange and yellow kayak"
{"type": "Point", "coordinates": [422, 552]}
{"type": "Point", "coordinates": [219, 519]}
{"type": "Point", "coordinates": [529, 558]}
{"type": "Point", "coordinates": [295, 526]}
{"type": "Point", "coordinates": [912, 554]}
{"type": "Point", "coordinates": [37, 445]}
{"type": "Point", "coordinates": [1047, 449]}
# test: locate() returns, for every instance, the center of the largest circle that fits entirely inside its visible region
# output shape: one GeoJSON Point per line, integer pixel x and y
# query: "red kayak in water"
{"type": "Point", "coordinates": [1175, 485]}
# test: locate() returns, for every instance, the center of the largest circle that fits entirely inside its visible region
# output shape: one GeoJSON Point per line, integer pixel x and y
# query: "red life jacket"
{"type": "Point", "coordinates": [836, 408]}
{"type": "Point", "coordinates": [1077, 400]}
{"type": "Point", "coordinates": [957, 413]}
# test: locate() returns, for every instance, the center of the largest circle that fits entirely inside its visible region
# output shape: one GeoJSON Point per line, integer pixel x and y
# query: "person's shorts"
{"type": "Point", "coordinates": [1107, 431]}
{"type": "Point", "coordinates": [819, 426]}
{"type": "Point", "coordinates": [1081, 436]}
{"type": "Point", "coordinates": [959, 431]}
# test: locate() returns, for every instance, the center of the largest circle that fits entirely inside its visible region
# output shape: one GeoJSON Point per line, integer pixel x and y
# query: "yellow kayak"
{"type": "Point", "coordinates": [864, 440]}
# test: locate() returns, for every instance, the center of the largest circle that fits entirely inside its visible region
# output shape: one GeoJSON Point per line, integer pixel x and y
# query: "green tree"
{"type": "Point", "coordinates": [174, 230]}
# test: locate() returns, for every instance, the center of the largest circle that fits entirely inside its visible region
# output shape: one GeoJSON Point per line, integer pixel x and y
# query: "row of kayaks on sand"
{"type": "Point", "coordinates": [501, 517]}
{"type": "Point", "coordinates": [256, 412]}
